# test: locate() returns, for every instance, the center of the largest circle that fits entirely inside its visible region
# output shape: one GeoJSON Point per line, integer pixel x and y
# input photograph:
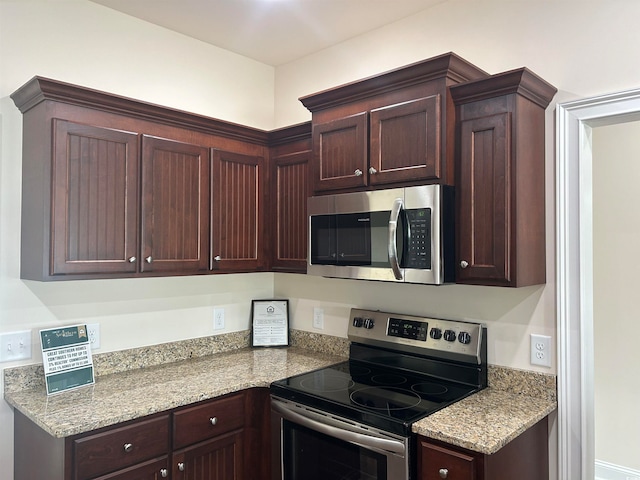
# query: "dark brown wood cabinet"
{"type": "Point", "coordinates": [500, 194]}
{"type": "Point", "coordinates": [94, 202]}
{"type": "Point", "coordinates": [238, 185]}
{"type": "Point", "coordinates": [174, 206]}
{"type": "Point", "coordinates": [290, 187]}
{"type": "Point", "coordinates": [114, 187]}
{"type": "Point", "coordinates": [210, 440]}
{"type": "Point", "coordinates": [525, 458]}
{"type": "Point", "coordinates": [393, 128]}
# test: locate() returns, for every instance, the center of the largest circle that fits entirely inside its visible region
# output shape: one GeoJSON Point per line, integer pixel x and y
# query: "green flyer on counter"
{"type": "Point", "coordinates": [66, 355]}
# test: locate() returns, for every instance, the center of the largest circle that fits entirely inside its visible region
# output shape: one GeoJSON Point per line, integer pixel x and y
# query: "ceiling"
{"type": "Point", "coordinates": [273, 32]}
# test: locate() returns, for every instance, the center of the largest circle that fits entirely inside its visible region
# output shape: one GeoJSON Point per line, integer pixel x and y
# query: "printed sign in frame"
{"type": "Point", "coordinates": [269, 323]}
{"type": "Point", "coordinates": [66, 355]}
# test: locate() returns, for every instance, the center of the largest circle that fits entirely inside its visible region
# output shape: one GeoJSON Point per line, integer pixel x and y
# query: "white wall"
{"type": "Point", "coordinates": [616, 236]}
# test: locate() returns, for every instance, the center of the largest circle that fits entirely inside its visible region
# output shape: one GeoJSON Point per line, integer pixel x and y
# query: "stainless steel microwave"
{"type": "Point", "coordinates": [396, 235]}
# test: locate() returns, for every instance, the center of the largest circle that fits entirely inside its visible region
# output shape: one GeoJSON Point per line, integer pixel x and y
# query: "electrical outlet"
{"type": "Point", "coordinates": [318, 318]}
{"type": "Point", "coordinates": [15, 346]}
{"type": "Point", "coordinates": [218, 318]}
{"type": "Point", "coordinates": [93, 330]}
{"type": "Point", "coordinates": [541, 350]}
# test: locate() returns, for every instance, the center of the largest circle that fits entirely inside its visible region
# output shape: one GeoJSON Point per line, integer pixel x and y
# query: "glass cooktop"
{"type": "Point", "coordinates": [386, 398]}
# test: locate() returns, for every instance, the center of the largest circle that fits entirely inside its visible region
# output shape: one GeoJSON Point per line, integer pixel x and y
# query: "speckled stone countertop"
{"type": "Point", "coordinates": [143, 381]}
{"type": "Point", "coordinates": [132, 394]}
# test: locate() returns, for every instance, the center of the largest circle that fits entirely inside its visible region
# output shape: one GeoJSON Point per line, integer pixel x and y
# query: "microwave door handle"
{"type": "Point", "coordinates": [393, 247]}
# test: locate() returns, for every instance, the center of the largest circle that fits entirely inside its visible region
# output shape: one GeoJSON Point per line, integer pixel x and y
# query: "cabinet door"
{"type": "Point", "coordinates": [94, 196]}
{"type": "Point", "coordinates": [484, 200]}
{"type": "Point", "coordinates": [340, 153]}
{"type": "Point", "coordinates": [237, 225]}
{"type": "Point", "coordinates": [175, 206]}
{"type": "Point", "coordinates": [216, 459]}
{"type": "Point", "coordinates": [436, 463]}
{"type": "Point", "coordinates": [405, 142]}
{"type": "Point", "coordinates": [155, 469]}
{"type": "Point", "coordinates": [292, 190]}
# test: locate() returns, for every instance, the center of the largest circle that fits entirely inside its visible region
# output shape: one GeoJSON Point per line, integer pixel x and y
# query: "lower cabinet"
{"type": "Point", "coordinates": [211, 440]}
{"type": "Point", "coordinates": [524, 458]}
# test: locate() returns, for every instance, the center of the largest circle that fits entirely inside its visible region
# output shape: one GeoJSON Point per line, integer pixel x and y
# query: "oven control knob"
{"type": "Point", "coordinates": [450, 335]}
{"type": "Point", "coordinates": [464, 338]}
{"type": "Point", "coordinates": [368, 323]}
{"type": "Point", "coordinates": [357, 322]}
{"type": "Point", "coordinates": [435, 333]}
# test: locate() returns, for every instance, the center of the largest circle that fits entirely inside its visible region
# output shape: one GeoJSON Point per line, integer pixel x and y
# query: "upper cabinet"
{"type": "Point", "coordinates": [238, 183]}
{"type": "Point", "coordinates": [394, 128]}
{"type": "Point", "coordinates": [113, 187]}
{"type": "Point", "coordinates": [500, 194]}
{"type": "Point", "coordinates": [290, 187]}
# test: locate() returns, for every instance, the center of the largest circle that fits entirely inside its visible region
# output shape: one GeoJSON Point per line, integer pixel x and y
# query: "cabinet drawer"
{"type": "Point", "coordinates": [204, 421]}
{"type": "Point", "coordinates": [437, 463]}
{"type": "Point", "coordinates": [121, 447]}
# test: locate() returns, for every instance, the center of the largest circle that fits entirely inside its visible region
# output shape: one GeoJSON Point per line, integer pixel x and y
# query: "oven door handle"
{"type": "Point", "coordinates": [366, 441]}
{"type": "Point", "coordinates": [392, 246]}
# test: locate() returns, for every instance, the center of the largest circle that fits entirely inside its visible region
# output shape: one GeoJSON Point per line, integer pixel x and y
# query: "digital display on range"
{"type": "Point", "coordinates": [410, 329]}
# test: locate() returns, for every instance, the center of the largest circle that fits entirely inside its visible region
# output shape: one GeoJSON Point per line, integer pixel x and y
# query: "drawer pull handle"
{"type": "Point", "coordinates": [213, 420]}
{"type": "Point", "coordinates": [181, 466]}
{"type": "Point", "coordinates": [444, 473]}
{"type": "Point", "coordinates": [164, 473]}
{"type": "Point", "coordinates": [128, 447]}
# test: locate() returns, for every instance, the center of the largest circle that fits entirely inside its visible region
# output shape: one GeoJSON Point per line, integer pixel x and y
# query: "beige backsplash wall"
{"type": "Point", "coordinates": [510, 314]}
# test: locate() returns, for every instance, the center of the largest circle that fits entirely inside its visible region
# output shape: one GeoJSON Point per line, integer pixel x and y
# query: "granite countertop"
{"type": "Point", "coordinates": [486, 421]}
{"type": "Point", "coordinates": [135, 393]}
{"type": "Point", "coordinates": [483, 422]}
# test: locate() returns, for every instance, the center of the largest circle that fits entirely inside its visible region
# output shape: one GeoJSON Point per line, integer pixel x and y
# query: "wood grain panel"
{"type": "Point", "coordinates": [485, 198]}
{"type": "Point", "coordinates": [217, 459]}
{"type": "Point", "coordinates": [175, 205]}
{"type": "Point", "coordinates": [339, 149]}
{"type": "Point", "coordinates": [405, 141]}
{"type": "Point", "coordinates": [94, 199]}
{"type": "Point", "coordinates": [237, 184]}
{"type": "Point", "coordinates": [292, 191]}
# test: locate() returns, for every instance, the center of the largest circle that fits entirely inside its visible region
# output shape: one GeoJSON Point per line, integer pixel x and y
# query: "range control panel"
{"type": "Point", "coordinates": [411, 333]}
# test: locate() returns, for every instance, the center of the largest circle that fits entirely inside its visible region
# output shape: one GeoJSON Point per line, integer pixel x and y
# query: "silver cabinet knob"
{"type": "Point", "coordinates": [217, 258]}
{"type": "Point", "coordinates": [464, 264]}
{"type": "Point", "coordinates": [164, 473]}
{"type": "Point", "coordinates": [132, 259]}
{"type": "Point", "coordinates": [444, 473]}
{"type": "Point", "coordinates": [372, 171]}
{"type": "Point", "coordinates": [128, 447]}
{"type": "Point", "coordinates": [357, 172]}
{"type": "Point", "coordinates": [149, 259]}
{"type": "Point", "coordinates": [181, 466]}
{"type": "Point", "coordinates": [213, 420]}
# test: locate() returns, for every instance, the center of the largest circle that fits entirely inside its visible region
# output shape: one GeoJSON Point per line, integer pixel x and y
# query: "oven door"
{"type": "Point", "coordinates": [308, 444]}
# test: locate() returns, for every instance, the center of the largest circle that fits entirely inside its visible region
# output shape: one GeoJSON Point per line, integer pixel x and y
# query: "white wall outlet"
{"type": "Point", "coordinates": [318, 318]}
{"type": "Point", "coordinates": [15, 346]}
{"type": "Point", "coordinates": [541, 350]}
{"type": "Point", "coordinates": [93, 330]}
{"type": "Point", "coordinates": [218, 318]}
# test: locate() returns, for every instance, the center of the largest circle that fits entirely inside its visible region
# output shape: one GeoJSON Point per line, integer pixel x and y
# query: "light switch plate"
{"type": "Point", "coordinates": [15, 346]}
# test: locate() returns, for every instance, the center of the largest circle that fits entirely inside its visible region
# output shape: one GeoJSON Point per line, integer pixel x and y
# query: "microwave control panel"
{"type": "Point", "coordinates": [417, 250]}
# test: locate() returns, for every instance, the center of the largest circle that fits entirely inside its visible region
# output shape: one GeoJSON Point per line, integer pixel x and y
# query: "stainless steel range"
{"type": "Point", "coordinates": [352, 421]}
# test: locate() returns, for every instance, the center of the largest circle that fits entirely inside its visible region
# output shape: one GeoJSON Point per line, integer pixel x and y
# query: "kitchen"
{"type": "Point", "coordinates": [266, 97]}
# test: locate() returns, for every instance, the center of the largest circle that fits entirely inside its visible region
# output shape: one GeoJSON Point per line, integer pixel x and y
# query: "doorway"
{"type": "Point", "coordinates": [574, 272]}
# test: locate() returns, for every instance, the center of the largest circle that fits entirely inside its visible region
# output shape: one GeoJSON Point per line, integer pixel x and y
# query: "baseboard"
{"type": "Point", "coordinates": [609, 471]}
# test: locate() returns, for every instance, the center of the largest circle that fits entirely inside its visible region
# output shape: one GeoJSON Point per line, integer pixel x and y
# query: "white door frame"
{"type": "Point", "coordinates": [574, 272]}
